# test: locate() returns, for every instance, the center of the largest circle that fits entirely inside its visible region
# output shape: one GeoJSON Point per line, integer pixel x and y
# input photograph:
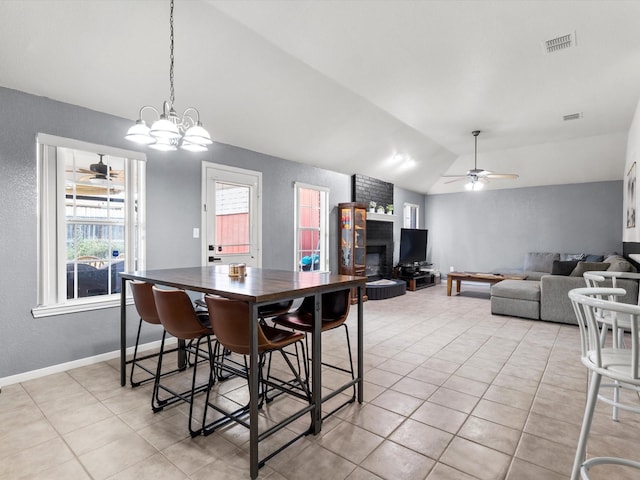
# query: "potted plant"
{"type": "Point", "coordinates": [380, 209]}
{"type": "Point", "coordinates": [372, 206]}
{"type": "Point", "coordinates": [390, 209]}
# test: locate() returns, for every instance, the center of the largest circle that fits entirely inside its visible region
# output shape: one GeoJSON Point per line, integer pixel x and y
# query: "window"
{"type": "Point", "coordinates": [311, 227]}
{"type": "Point", "coordinates": [232, 218]}
{"type": "Point", "coordinates": [411, 216]}
{"type": "Point", "coordinates": [91, 223]}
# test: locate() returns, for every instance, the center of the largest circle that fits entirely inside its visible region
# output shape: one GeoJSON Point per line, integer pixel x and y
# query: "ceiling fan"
{"type": "Point", "coordinates": [100, 170]}
{"type": "Point", "coordinates": [476, 177]}
{"type": "Point", "coordinates": [98, 173]}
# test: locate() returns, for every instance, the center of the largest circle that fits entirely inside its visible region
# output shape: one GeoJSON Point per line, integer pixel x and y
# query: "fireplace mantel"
{"type": "Point", "coordinates": [380, 217]}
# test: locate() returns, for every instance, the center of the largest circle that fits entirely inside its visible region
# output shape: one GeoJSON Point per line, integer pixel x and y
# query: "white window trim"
{"type": "Point", "coordinates": [407, 207]}
{"type": "Point", "coordinates": [48, 276]}
{"type": "Point", "coordinates": [324, 227]}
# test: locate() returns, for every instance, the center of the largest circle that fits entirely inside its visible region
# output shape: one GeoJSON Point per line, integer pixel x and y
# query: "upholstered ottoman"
{"type": "Point", "coordinates": [517, 298]}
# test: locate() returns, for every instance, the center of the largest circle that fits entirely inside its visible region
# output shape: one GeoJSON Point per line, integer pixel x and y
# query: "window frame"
{"type": "Point", "coordinates": [323, 229]}
{"type": "Point", "coordinates": [51, 238]}
{"type": "Point", "coordinates": [407, 210]}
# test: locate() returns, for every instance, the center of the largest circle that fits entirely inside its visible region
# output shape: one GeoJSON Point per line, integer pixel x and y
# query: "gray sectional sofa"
{"type": "Point", "coordinates": [543, 295]}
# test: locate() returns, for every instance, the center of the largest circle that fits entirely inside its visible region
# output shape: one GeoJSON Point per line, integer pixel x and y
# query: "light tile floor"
{"type": "Point", "coordinates": [451, 393]}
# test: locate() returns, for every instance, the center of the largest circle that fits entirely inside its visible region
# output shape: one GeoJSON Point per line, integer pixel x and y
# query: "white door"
{"type": "Point", "coordinates": [231, 215]}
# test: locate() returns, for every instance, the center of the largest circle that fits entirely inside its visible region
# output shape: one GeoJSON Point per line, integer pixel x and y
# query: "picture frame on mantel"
{"type": "Point", "coordinates": [630, 196]}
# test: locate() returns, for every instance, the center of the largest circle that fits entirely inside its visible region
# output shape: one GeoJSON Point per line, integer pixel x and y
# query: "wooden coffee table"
{"type": "Point", "coordinates": [477, 277]}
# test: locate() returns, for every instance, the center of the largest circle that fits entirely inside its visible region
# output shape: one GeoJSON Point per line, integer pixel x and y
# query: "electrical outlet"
{"type": "Point", "coordinates": [196, 232]}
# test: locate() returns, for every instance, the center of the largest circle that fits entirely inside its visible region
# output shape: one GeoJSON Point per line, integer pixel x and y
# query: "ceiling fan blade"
{"type": "Point", "coordinates": [81, 170]}
{"type": "Point", "coordinates": [457, 178]}
{"type": "Point", "coordinates": [502, 175]}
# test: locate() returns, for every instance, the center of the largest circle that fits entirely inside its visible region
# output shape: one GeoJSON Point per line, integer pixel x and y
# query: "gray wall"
{"type": "Point", "coordinates": [484, 231]}
{"type": "Point", "coordinates": [173, 209]}
{"type": "Point", "coordinates": [491, 231]}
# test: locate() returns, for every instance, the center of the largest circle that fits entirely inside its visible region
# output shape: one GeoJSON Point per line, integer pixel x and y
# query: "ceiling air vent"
{"type": "Point", "coordinates": [560, 43]}
{"type": "Point", "coordinates": [572, 116]}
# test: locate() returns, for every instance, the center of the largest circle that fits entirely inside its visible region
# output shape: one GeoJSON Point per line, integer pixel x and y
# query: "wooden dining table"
{"type": "Point", "coordinates": [260, 287]}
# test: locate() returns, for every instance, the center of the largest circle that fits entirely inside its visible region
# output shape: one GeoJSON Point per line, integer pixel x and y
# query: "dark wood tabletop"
{"type": "Point", "coordinates": [259, 285]}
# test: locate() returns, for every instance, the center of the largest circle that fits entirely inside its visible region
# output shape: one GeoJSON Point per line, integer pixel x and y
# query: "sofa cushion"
{"type": "Point", "coordinates": [517, 289]}
{"type": "Point", "coordinates": [582, 267]}
{"type": "Point", "coordinates": [540, 261]}
{"type": "Point", "coordinates": [533, 275]}
{"type": "Point", "coordinates": [616, 263]}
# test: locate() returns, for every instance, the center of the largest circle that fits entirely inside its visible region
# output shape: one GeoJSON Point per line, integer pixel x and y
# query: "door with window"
{"type": "Point", "coordinates": [231, 220]}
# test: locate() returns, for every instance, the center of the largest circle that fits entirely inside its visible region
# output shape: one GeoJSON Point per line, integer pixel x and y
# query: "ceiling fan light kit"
{"type": "Point", "coordinates": [477, 177]}
{"type": "Point", "coordinates": [170, 130]}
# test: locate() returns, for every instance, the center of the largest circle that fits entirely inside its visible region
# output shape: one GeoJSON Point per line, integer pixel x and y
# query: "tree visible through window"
{"type": "Point", "coordinates": [312, 212]}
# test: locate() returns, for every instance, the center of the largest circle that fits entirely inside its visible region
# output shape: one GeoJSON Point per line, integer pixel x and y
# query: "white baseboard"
{"type": "Point", "coordinates": [82, 362]}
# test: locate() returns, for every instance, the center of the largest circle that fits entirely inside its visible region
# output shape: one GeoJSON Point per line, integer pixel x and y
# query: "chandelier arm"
{"type": "Point", "coordinates": [186, 114]}
{"type": "Point", "coordinates": [148, 107]}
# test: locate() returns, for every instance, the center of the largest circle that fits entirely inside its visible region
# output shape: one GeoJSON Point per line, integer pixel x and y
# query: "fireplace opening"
{"type": "Point", "coordinates": [373, 265]}
{"type": "Point", "coordinates": [379, 250]}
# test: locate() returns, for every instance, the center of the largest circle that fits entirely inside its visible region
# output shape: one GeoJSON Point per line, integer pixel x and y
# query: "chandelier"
{"type": "Point", "coordinates": [171, 131]}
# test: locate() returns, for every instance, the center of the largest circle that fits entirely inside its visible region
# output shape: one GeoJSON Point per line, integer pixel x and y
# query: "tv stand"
{"type": "Point", "coordinates": [415, 278]}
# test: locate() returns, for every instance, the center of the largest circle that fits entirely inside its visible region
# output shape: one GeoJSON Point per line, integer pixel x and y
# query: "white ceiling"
{"type": "Point", "coordinates": [347, 85]}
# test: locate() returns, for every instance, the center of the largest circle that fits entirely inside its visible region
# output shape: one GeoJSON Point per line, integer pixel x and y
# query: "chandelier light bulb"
{"type": "Point", "coordinates": [139, 133]}
{"type": "Point", "coordinates": [165, 145]}
{"type": "Point", "coordinates": [164, 129]}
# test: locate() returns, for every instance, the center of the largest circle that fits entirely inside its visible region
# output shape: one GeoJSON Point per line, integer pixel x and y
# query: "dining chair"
{"type": "Point", "coordinates": [178, 317]}
{"type": "Point", "coordinates": [230, 320]}
{"type": "Point", "coordinates": [335, 311]}
{"type": "Point", "coordinates": [146, 308]}
{"type": "Point", "coordinates": [615, 363]}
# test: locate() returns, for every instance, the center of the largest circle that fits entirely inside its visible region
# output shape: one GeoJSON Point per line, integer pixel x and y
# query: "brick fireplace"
{"type": "Point", "coordinates": [379, 249]}
{"type": "Point", "coordinates": [379, 233]}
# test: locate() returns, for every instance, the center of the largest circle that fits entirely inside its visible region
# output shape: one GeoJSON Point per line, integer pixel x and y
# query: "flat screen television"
{"type": "Point", "coordinates": [413, 246]}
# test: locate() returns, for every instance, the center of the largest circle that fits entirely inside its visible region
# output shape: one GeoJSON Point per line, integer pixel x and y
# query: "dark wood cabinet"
{"type": "Point", "coordinates": [352, 218]}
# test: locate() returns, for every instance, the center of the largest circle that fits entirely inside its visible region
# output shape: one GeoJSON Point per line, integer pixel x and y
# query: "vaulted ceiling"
{"type": "Point", "coordinates": [390, 89]}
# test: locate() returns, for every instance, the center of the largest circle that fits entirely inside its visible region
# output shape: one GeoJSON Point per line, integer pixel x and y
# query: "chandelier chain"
{"type": "Point", "coordinates": [172, 95]}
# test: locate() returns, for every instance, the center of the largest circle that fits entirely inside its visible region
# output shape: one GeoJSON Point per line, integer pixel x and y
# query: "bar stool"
{"type": "Point", "coordinates": [619, 324]}
{"type": "Point", "coordinates": [230, 320]}
{"type": "Point", "coordinates": [616, 363]}
{"type": "Point", "coordinates": [178, 317]}
{"type": "Point", "coordinates": [146, 308]}
{"type": "Point", "coordinates": [335, 310]}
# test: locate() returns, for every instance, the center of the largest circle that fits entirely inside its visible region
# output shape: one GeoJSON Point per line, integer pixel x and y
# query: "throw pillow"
{"type": "Point", "coordinates": [540, 261]}
{"type": "Point", "coordinates": [572, 256]}
{"type": "Point", "coordinates": [582, 267]}
{"type": "Point", "coordinates": [563, 268]}
{"type": "Point", "coordinates": [618, 264]}
{"type": "Point", "coordinates": [594, 258]}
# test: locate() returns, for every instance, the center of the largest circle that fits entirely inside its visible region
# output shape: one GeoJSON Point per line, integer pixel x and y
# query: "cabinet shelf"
{"type": "Point", "coordinates": [353, 241]}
